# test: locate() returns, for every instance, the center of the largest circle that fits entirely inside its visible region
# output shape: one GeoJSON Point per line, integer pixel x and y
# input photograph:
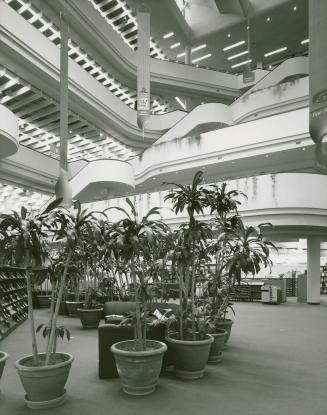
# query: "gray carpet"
{"type": "Point", "coordinates": [276, 363]}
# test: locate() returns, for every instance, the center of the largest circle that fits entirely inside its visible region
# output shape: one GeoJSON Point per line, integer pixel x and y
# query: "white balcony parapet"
{"type": "Point", "coordinates": [102, 179]}
{"type": "Point", "coordinates": [9, 132]}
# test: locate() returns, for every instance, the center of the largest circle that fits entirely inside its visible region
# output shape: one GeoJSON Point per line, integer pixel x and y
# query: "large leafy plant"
{"type": "Point", "coordinates": [238, 249]}
{"type": "Point", "coordinates": [189, 247]}
{"type": "Point", "coordinates": [26, 234]}
{"type": "Point", "coordinates": [132, 241]}
{"type": "Point", "coordinates": [30, 235]}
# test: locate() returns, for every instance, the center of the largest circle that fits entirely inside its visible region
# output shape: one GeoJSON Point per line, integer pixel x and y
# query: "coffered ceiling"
{"type": "Point", "coordinates": [206, 26]}
{"type": "Point", "coordinates": [217, 24]}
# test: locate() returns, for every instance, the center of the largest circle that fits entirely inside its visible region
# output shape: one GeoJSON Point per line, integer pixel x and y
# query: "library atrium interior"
{"type": "Point", "coordinates": [163, 206]}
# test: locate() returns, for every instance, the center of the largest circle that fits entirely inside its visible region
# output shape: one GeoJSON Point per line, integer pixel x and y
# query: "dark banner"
{"type": "Point", "coordinates": [143, 67]}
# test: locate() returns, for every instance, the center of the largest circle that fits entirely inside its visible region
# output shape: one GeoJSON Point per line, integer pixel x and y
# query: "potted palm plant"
{"type": "Point", "coordinates": [138, 361]}
{"type": "Point", "coordinates": [74, 302]}
{"type": "Point", "coordinates": [44, 375]}
{"type": "Point", "coordinates": [91, 313]}
{"type": "Point", "coordinates": [189, 346]}
{"type": "Point", "coordinates": [237, 249]}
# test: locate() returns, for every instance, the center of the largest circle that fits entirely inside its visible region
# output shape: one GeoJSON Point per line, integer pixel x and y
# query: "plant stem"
{"type": "Point", "coordinates": [138, 339]}
{"type": "Point", "coordinates": [181, 328]}
{"type": "Point", "coordinates": [193, 293]}
{"type": "Point", "coordinates": [51, 313]}
{"type": "Point", "coordinates": [31, 314]}
{"type": "Point", "coordinates": [56, 312]}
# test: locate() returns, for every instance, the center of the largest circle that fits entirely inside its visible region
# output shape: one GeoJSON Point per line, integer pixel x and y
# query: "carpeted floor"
{"type": "Point", "coordinates": [276, 363]}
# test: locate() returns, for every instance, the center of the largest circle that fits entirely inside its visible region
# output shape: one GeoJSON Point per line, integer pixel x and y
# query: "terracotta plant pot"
{"type": "Point", "coordinates": [189, 356]}
{"type": "Point", "coordinates": [216, 354]}
{"type": "Point", "coordinates": [63, 308]}
{"type": "Point", "coordinates": [90, 319]}
{"type": "Point", "coordinates": [73, 306]}
{"type": "Point", "coordinates": [43, 301]}
{"type": "Point", "coordinates": [225, 325]}
{"type": "Point", "coordinates": [44, 385]}
{"type": "Point", "coordinates": [138, 371]}
{"type": "Point", "coordinates": [3, 358]}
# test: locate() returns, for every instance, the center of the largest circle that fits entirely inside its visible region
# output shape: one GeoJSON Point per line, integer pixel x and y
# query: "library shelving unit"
{"type": "Point", "coordinates": [13, 299]}
{"type": "Point", "coordinates": [323, 279]}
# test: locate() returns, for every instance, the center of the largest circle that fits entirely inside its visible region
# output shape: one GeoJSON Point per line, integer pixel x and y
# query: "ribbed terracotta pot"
{"type": "Point", "coordinates": [216, 349]}
{"type": "Point", "coordinates": [44, 301]}
{"type": "Point", "coordinates": [138, 371]}
{"type": "Point", "coordinates": [44, 385]}
{"type": "Point", "coordinates": [73, 306]}
{"type": "Point", "coordinates": [189, 356]}
{"type": "Point", "coordinates": [90, 319]}
{"type": "Point", "coordinates": [225, 325]}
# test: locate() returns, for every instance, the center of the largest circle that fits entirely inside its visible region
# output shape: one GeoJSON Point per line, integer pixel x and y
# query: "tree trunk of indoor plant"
{"type": "Point", "coordinates": [53, 322]}
{"type": "Point", "coordinates": [30, 311]}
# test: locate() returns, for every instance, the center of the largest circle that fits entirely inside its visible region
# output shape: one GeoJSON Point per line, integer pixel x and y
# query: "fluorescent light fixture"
{"type": "Point", "coordinates": [275, 51]}
{"type": "Point", "coordinates": [180, 55]}
{"type": "Point", "coordinates": [168, 35]}
{"type": "Point", "coordinates": [234, 45]}
{"type": "Point", "coordinates": [175, 45]}
{"type": "Point", "coordinates": [237, 55]}
{"type": "Point", "coordinates": [303, 42]}
{"type": "Point", "coordinates": [204, 45]}
{"type": "Point", "coordinates": [201, 58]}
{"type": "Point", "coordinates": [241, 63]}
{"type": "Point", "coordinates": [181, 103]}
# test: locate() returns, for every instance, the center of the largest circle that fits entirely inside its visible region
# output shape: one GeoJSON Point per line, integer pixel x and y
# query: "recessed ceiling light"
{"type": "Point", "coordinates": [181, 103]}
{"type": "Point", "coordinates": [204, 45]}
{"type": "Point", "coordinates": [228, 35]}
{"type": "Point", "coordinates": [202, 57]}
{"type": "Point", "coordinates": [303, 42]}
{"type": "Point", "coordinates": [268, 19]}
{"type": "Point", "coordinates": [168, 35]}
{"type": "Point", "coordinates": [175, 45]}
{"type": "Point", "coordinates": [180, 55]}
{"type": "Point", "coordinates": [275, 51]}
{"type": "Point", "coordinates": [241, 63]}
{"type": "Point", "coordinates": [267, 155]}
{"type": "Point", "coordinates": [234, 45]}
{"type": "Point", "coordinates": [295, 8]}
{"type": "Point", "coordinates": [237, 55]}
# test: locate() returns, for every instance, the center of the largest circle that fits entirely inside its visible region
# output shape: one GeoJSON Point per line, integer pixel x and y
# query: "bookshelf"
{"type": "Point", "coordinates": [13, 299]}
{"type": "Point", "coordinates": [323, 279]}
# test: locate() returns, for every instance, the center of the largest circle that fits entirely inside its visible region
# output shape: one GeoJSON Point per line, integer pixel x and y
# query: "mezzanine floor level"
{"type": "Point", "coordinates": [276, 363]}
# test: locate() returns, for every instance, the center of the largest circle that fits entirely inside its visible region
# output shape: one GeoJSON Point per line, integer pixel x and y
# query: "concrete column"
{"type": "Point", "coordinates": [188, 61]}
{"type": "Point", "coordinates": [313, 274]}
{"type": "Point", "coordinates": [188, 55]}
